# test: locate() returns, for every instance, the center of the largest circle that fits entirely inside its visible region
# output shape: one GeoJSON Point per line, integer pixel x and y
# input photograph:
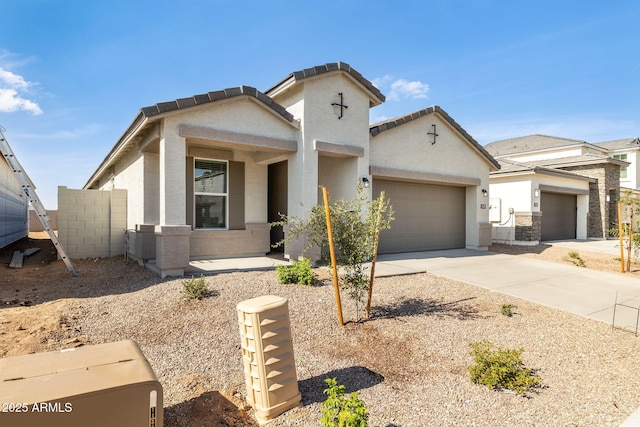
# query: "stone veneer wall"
{"type": "Point", "coordinates": [608, 176]}
{"type": "Point", "coordinates": [528, 226]}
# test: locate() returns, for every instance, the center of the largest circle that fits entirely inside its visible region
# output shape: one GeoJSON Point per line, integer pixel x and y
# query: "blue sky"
{"type": "Point", "coordinates": [74, 74]}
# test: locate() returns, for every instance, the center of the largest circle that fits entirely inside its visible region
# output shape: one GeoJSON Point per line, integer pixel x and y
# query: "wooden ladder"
{"type": "Point", "coordinates": [30, 191]}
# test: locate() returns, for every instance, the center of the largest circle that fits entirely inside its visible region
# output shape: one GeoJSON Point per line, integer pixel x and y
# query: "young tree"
{"type": "Point", "coordinates": [354, 223]}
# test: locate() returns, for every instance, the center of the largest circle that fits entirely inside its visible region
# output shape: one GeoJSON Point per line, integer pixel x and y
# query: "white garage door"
{"type": "Point", "coordinates": [427, 217]}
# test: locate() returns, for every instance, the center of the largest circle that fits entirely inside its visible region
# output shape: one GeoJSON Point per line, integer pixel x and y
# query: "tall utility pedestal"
{"type": "Point", "coordinates": [267, 353]}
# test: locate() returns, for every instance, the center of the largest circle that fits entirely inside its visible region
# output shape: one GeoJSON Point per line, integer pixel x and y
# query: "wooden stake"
{"type": "Point", "coordinates": [334, 268]}
{"type": "Point", "coordinates": [620, 228]}
{"type": "Point", "coordinates": [630, 238]}
{"type": "Point", "coordinates": [375, 255]}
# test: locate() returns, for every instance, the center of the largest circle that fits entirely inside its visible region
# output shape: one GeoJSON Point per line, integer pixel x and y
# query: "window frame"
{"type": "Point", "coordinates": [201, 193]}
{"type": "Point", "coordinates": [623, 169]}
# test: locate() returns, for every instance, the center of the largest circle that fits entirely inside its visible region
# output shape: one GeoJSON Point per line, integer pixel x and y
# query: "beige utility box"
{"type": "Point", "coordinates": [103, 385]}
{"type": "Point", "coordinates": [267, 353]}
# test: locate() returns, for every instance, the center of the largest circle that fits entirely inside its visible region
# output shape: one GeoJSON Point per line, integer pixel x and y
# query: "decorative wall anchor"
{"type": "Point", "coordinates": [341, 105]}
{"type": "Point", "coordinates": [433, 133]}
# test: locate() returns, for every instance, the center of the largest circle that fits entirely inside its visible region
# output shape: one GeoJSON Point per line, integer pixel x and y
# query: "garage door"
{"type": "Point", "coordinates": [427, 217]}
{"type": "Point", "coordinates": [558, 216]}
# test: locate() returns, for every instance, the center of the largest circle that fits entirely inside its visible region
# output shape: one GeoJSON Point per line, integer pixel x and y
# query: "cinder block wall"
{"type": "Point", "coordinates": [91, 223]}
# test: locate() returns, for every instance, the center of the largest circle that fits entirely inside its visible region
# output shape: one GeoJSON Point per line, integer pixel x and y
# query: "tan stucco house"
{"type": "Point", "coordinates": [205, 175]}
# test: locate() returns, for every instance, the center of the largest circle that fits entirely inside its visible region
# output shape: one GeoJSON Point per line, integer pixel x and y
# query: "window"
{"type": "Point", "coordinates": [210, 190]}
{"type": "Point", "coordinates": [623, 170]}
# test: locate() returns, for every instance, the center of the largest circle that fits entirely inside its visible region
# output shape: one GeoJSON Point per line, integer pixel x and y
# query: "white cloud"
{"type": "Point", "coordinates": [10, 102]}
{"type": "Point", "coordinates": [379, 82]}
{"type": "Point", "coordinates": [401, 88]}
{"type": "Point", "coordinates": [12, 88]}
{"type": "Point", "coordinates": [406, 89]}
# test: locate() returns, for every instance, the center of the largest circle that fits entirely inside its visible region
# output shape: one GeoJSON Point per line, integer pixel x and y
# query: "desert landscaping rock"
{"type": "Point", "coordinates": [409, 362]}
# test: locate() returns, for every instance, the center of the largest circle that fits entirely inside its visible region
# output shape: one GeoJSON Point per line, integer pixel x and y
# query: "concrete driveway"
{"type": "Point", "coordinates": [578, 290]}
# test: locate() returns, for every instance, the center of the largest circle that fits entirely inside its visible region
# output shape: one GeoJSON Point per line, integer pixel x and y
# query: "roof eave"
{"type": "Point", "coordinates": [138, 123]}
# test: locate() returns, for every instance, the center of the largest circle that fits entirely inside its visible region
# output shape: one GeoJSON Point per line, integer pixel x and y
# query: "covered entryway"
{"type": "Point", "coordinates": [427, 216]}
{"type": "Point", "coordinates": [559, 213]}
{"type": "Point", "coordinates": [277, 201]}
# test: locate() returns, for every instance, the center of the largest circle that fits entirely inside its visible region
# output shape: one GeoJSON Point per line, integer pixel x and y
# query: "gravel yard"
{"type": "Point", "coordinates": [408, 362]}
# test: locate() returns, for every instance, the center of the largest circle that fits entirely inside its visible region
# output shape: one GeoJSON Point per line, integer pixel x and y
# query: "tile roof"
{"type": "Point", "coordinates": [585, 159]}
{"type": "Point", "coordinates": [386, 125]}
{"type": "Point", "coordinates": [620, 144]}
{"type": "Point", "coordinates": [511, 166]}
{"type": "Point", "coordinates": [297, 76]}
{"type": "Point", "coordinates": [205, 98]}
{"type": "Point", "coordinates": [528, 143]}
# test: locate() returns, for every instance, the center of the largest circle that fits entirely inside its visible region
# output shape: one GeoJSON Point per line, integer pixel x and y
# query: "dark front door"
{"type": "Point", "coordinates": [277, 203]}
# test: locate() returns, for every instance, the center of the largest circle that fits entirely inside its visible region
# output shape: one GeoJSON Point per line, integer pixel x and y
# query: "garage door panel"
{"type": "Point", "coordinates": [427, 217]}
{"type": "Point", "coordinates": [558, 216]}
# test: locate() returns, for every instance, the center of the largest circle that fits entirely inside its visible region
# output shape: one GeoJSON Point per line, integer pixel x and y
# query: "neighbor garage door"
{"type": "Point", "coordinates": [558, 216]}
{"type": "Point", "coordinates": [427, 217]}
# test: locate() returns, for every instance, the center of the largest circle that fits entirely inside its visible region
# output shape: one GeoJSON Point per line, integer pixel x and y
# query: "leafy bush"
{"type": "Point", "coordinates": [298, 272]}
{"type": "Point", "coordinates": [195, 288]}
{"type": "Point", "coordinates": [500, 368]}
{"type": "Point", "coordinates": [507, 309]}
{"type": "Point", "coordinates": [338, 411]}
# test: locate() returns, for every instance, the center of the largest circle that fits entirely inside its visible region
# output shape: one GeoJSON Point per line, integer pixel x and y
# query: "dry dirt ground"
{"type": "Point", "coordinates": [33, 301]}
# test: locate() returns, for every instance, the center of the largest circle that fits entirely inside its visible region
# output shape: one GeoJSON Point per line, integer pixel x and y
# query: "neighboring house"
{"type": "Point", "coordinates": [205, 175]}
{"type": "Point", "coordinates": [552, 188]}
{"type": "Point", "coordinates": [14, 207]}
{"type": "Point", "coordinates": [627, 150]}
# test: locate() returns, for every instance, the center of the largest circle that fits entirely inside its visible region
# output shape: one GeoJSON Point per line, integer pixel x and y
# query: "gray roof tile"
{"type": "Point", "coordinates": [334, 66]}
{"type": "Point", "coordinates": [164, 107]}
{"type": "Point", "coordinates": [524, 144]}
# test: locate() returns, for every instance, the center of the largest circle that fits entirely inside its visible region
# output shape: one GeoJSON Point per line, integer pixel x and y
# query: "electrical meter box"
{"type": "Point", "coordinates": [267, 354]}
{"type": "Point", "coordinates": [101, 385]}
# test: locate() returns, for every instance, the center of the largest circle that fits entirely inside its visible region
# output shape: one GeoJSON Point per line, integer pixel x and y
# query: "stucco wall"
{"type": "Point", "coordinates": [517, 193]}
{"type": "Point", "coordinates": [409, 148]}
{"type": "Point", "coordinates": [14, 222]}
{"type": "Point", "coordinates": [92, 223]}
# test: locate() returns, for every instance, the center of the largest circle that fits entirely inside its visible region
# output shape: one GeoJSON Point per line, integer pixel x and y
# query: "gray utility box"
{"type": "Point", "coordinates": [103, 385]}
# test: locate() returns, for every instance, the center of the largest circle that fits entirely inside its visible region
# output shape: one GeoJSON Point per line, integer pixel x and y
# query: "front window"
{"type": "Point", "coordinates": [623, 170]}
{"type": "Point", "coordinates": [210, 189]}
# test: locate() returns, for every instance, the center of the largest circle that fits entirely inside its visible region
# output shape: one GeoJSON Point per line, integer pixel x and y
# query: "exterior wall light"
{"type": "Point", "coordinates": [365, 182]}
{"type": "Point", "coordinates": [607, 198]}
{"type": "Point", "coordinates": [536, 193]}
{"type": "Point", "coordinates": [485, 193]}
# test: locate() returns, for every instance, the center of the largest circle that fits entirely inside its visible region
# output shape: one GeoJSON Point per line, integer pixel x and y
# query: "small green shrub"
{"type": "Point", "coordinates": [298, 272]}
{"type": "Point", "coordinates": [500, 368]}
{"type": "Point", "coordinates": [195, 288]}
{"type": "Point", "coordinates": [506, 309]}
{"type": "Point", "coordinates": [574, 257]}
{"type": "Point", "coordinates": [338, 411]}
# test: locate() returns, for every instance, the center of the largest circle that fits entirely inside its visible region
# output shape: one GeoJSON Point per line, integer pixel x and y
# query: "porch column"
{"type": "Point", "coordinates": [172, 177]}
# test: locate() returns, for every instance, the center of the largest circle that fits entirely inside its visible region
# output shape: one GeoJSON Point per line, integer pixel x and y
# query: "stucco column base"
{"type": "Point", "coordinates": [142, 243]}
{"type": "Point", "coordinates": [172, 249]}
